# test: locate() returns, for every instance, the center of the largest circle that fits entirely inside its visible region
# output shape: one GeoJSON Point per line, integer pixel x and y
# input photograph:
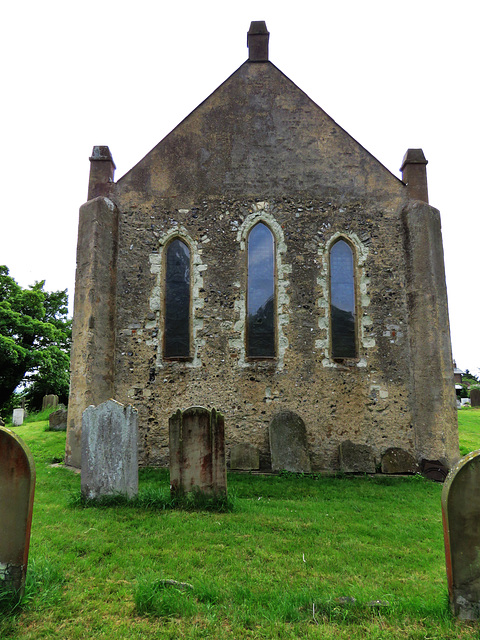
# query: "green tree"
{"type": "Point", "coordinates": [35, 339]}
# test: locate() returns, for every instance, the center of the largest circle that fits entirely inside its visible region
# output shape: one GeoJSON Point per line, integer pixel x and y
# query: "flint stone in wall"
{"type": "Point", "coordinates": [244, 457]}
{"type": "Point", "coordinates": [288, 443]}
{"type": "Point", "coordinates": [396, 460]}
{"type": "Point", "coordinates": [461, 526]}
{"type": "Point", "coordinates": [475, 397]}
{"type": "Point", "coordinates": [356, 458]}
{"type": "Point", "coordinates": [49, 401]}
{"type": "Point", "coordinates": [109, 450]}
{"type": "Point", "coordinates": [57, 421]}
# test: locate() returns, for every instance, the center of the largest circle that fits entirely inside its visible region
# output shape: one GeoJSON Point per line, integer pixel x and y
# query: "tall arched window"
{"type": "Point", "coordinates": [176, 343]}
{"type": "Point", "coordinates": [261, 293]}
{"type": "Point", "coordinates": [342, 301]}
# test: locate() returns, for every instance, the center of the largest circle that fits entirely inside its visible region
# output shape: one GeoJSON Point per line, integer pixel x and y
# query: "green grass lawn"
{"type": "Point", "coordinates": [278, 566]}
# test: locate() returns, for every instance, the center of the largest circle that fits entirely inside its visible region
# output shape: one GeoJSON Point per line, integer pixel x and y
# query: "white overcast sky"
{"type": "Point", "coordinates": [395, 75]}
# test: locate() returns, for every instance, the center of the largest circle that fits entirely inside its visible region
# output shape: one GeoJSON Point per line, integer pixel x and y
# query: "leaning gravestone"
{"type": "Point", "coordinates": [197, 451]}
{"type": "Point", "coordinates": [396, 460]}
{"type": "Point", "coordinates": [49, 401]}
{"type": "Point", "coordinates": [109, 450]}
{"type": "Point", "coordinates": [18, 417]}
{"type": "Point", "coordinates": [244, 457]}
{"type": "Point", "coordinates": [288, 443]}
{"type": "Point", "coordinates": [475, 397]}
{"type": "Point", "coordinates": [461, 528]}
{"type": "Point", "coordinates": [57, 421]}
{"type": "Point", "coordinates": [17, 486]}
{"type": "Point", "coordinates": [356, 458]}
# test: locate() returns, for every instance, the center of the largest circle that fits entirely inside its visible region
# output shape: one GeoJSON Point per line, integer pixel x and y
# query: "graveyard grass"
{"type": "Point", "coordinates": [283, 564]}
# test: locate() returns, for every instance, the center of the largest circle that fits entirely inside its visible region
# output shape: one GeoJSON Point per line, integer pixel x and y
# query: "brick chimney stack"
{"type": "Point", "coordinates": [414, 174]}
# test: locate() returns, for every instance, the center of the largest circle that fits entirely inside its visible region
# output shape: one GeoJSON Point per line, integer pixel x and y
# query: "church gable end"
{"type": "Point", "coordinates": [263, 262]}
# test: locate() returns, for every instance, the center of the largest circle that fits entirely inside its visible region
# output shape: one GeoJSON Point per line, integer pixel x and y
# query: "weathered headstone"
{"type": "Point", "coordinates": [18, 417]}
{"type": "Point", "coordinates": [396, 460]}
{"type": "Point", "coordinates": [17, 486]}
{"type": "Point", "coordinates": [461, 527]}
{"type": "Point", "coordinates": [475, 397]}
{"type": "Point", "coordinates": [356, 458]}
{"type": "Point", "coordinates": [244, 457]}
{"type": "Point", "coordinates": [49, 401]}
{"type": "Point", "coordinates": [197, 451]}
{"type": "Point", "coordinates": [109, 450]}
{"type": "Point", "coordinates": [288, 443]}
{"type": "Point", "coordinates": [434, 470]}
{"type": "Point", "coordinates": [57, 421]}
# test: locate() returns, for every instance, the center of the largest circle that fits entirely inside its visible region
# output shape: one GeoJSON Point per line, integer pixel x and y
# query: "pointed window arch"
{"type": "Point", "coordinates": [342, 301]}
{"type": "Point", "coordinates": [261, 315]}
{"type": "Point", "coordinates": [176, 341]}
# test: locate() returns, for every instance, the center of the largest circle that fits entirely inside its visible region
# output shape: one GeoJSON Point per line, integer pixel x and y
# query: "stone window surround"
{"type": "Point", "coordinates": [363, 320]}
{"type": "Point", "coordinates": [157, 262]}
{"type": "Point", "coordinates": [238, 342]}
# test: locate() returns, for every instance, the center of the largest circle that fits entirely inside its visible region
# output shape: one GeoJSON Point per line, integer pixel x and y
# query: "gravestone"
{"type": "Point", "coordinates": [197, 451]}
{"type": "Point", "coordinates": [17, 486]}
{"type": "Point", "coordinates": [396, 460]}
{"type": "Point", "coordinates": [109, 450]}
{"type": "Point", "coordinates": [288, 443]}
{"type": "Point", "coordinates": [475, 397]}
{"type": "Point", "coordinates": [57, 421]}
{"type": "Point", "coordinates": [18, 417]}
{"type": "Point", "coordinates": [433, 470]}
{"type": "Point", "coordinates": [49, 401]}
{"type": "Point", "coordinates": [356, 458]}
{"type": "Point", "coordinates": [461, 528]}
{"type": "Point", "coordinates": [244, 457]}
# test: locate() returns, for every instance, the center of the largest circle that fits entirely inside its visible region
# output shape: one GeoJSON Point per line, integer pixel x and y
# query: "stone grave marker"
{"type": "Point", "coordinates": [356, 458]}
{"type": "Point", "coordinates": [197, 451]}
{"type": "Point", "coordinates": [244, 457]}
{"type": "Point", "coordinates": [18, 417]}
{"type": "Point", "coordinates": [57, 421]}
{"type": "Point", "coordinates": [109, 450]}
{"type": "Point", "coordinates": [17, 486]}
{"type": "Point", "coordinates": [396, 460]}
{"type": "Point", "coordinates": [49, 401]}
{"type": "Point", "coordinates": [461, 528]}
{"type": "Point", "coordinates": [288, 443]}
{"type": "Point", "coordinates": [475, 397]}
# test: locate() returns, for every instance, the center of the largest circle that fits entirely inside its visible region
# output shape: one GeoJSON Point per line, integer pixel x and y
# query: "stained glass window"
{"type": "Point", "coordinates": [342, 301]}
{"type": "Point", "coordinates": [177, 301]}
{"type": "Point", "coordinates": [261, 293]}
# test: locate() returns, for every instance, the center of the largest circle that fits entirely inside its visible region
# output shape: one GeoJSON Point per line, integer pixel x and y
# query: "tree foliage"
{"type": "Point", "coordinates": [35, 339]}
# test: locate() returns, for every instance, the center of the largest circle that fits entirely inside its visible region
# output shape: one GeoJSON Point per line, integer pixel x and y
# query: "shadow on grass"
{"type": "Point", "coordinates": [160, 499]}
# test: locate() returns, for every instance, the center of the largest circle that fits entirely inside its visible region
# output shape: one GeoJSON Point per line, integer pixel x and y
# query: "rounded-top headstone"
{"type": "Point", "coordinates": [461, 524]}
{"type": "Point", "coordinates": [17, 486]}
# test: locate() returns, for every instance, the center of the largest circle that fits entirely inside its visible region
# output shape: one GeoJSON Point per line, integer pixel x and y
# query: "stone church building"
{"type": "Point", "coordinates": [260, 261]}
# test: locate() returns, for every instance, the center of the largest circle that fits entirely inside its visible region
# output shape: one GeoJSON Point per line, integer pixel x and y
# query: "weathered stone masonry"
{"type": "Point", "coordinates": [260, 150]}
